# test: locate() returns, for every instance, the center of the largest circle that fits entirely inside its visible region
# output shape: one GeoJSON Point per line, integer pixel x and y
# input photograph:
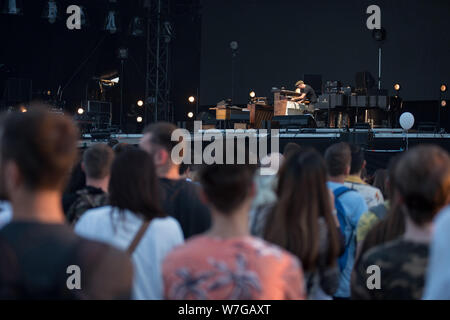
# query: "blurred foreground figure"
{"type": "Point", "coordinates": [226, 263]}
{"type": "Point", "coordinates": [422, 178]}
{"type": "Point", "coordinates": [41, 257]}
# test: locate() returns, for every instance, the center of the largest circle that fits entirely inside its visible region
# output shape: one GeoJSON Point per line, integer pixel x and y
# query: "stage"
{"type": "Point", "coordinates": [380, 144]}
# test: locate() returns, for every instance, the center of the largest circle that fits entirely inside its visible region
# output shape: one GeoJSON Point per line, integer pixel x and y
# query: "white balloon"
{"type": "Point", "coordinates": [406, 120]}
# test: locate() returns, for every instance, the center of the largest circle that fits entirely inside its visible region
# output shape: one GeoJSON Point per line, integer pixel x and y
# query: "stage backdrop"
{"type": "Point", "coordinates": [281, 40]}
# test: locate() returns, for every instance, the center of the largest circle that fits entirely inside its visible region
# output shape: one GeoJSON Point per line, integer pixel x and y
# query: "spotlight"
{"type": "Point", "coordinates": [190, 115]}
{"type": "Point", "coordinates": [443, 103]}
{"type": "Point", "coordinates": [397, 87]}
{"type": "Point", "coordinates": [23, 109]}
{"type": "Point", "coordinates": [191, 99]}
{"type": "Point", "coordinates": [139, 119]}
{"type": "Point", "coordinates": [140, 103]}
{"type": "Point", "coordinates": [234, 45]}
{"type": "Point", "coordinates": [80, 111]}
{"type": "Point", "coordinates": [50, 11]}
{"type": "Point", "coordinates": [137, 27]}
{"type": "Point", "coordinates": [379, 34]}
{"type": "Point", "coordinates": [443, 88]}
{"type": "Point", "coordinates": [49, 93]}
{"type": "Point", "coordinates": [112, 21]}
{"type": "Point", "coordinates": [252, 94]}
{"type": "Point", "coordinates": [13, 7]}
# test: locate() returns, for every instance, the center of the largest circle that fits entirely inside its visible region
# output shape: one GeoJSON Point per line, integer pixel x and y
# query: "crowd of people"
{"type": "Point", "coordinates": [140, 226]}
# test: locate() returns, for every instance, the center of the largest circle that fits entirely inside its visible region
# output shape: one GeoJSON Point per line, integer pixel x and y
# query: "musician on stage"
{"type": "Point", "coordinates": [308, 95]}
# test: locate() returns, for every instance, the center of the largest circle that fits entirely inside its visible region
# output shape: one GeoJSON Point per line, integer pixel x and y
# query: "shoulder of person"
{"type": "Point", "coordinates": [108, 271]}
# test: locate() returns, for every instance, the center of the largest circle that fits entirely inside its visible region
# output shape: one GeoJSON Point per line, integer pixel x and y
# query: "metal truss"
{"type": "Point", "coordinates": [159, 35]}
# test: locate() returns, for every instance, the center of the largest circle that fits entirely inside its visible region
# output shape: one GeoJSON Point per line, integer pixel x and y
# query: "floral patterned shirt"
{"type": "Point", "coordinates": [207, 268]}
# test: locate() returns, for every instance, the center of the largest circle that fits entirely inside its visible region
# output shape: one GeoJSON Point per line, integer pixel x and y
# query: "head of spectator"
{"type": "Point", "coordinates": [228, 190]}
{"type": "Point", "coordinates": [133, 185]}
{"type": "Point", "coordinates": [118, 148]}
{"type": "Point", "coordinates": [96, 164]}
{"type": "Point", "coordinates": [291, 147]}
{"type": "Point", "coordinates": [358, 163]}
{"type": "Point", "coordinates": [423, 185]}
{"type": "Point", "coordinates": [380, 181]}
{"type": "Point", "coordinates": [157, 141]}
{"type": "Point", "coordinates": [294, 222]}
{"type": "Point", "coordinates": [112, 142]}
{"type": "Point", "coordinates": [338, 160]}
{"type": "Point", "coordinates": [38, 151]}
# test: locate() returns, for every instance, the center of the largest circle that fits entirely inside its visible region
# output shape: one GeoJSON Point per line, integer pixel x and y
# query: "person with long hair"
{"type": "Point", "coordinates": [134, 221]}
{"type": "Point", "coordinates": [303, 223]}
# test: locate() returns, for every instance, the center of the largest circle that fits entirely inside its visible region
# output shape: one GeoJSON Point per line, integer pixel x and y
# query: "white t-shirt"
{"type": "Point", "coordinates": [5, 213]}
{"type": "Point", "coordinates": [105, 224]}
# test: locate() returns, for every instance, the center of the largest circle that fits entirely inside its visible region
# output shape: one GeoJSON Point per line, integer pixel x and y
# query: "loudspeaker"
{"type": "Point", "coordinates": [293, 122]}
{"type": "Point", "coordinates": [315, 81]}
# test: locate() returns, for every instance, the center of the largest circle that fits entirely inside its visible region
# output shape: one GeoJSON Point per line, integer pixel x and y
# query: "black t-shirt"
{"type": "Point", "coordinates": [310, 93]}
{"type": "Point", "coordinates": [180, 200]}
{"type": "Point", "coordinates": [35, 258]}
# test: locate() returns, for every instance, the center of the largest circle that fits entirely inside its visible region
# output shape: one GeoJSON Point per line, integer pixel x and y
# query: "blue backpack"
{"type": "Point", "coordinates": [345, 224]}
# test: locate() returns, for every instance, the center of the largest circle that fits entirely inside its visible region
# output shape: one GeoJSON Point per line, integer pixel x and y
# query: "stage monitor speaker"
{"type": "Point", "coordinates": [293, 122]}
{"type": "Point", "coordinates": [315, 81]}
{"type": "Point", "coordinates": [364, 81]}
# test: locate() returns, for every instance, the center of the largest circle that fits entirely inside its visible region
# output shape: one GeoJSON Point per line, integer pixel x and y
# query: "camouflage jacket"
{"type": "Point", "coordinates": [402, 265]}
{"type": "Point", "coordinates": [87, 198]}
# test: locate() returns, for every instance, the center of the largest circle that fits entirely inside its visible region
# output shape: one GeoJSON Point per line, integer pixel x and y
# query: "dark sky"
{"type": "Point", "coordinates": [281, 40]}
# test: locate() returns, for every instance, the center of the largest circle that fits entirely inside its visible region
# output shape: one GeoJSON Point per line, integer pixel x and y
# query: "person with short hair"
{"type": "Point", "coordinates": [96, 164]}
{"type": "Point", "coordinates": [134, 221]}
{"type": "Point", "coordinates": [226, 263]}
{"type": "Point", "coordinates": [350, 206]}
{"type": "Point", "coordinates": [423, 184]}
{"type": "Point", "coordinates": [371, 195]}
{"type": "Point", "coordinates": [40, 254]}
{"type": "Point", "coordinates": [179, 198]}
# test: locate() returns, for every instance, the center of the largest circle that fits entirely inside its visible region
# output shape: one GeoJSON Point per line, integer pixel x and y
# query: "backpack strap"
{"type": "Point", "coordinates": [341, 191]}
{"type": "Point", "coordinates": [137, 238]}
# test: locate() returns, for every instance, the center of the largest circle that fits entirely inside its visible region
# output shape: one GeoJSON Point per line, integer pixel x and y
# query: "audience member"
{"type": "Point", "coordinates": [179, 198]}
{"type": "Point", "coordinates": [227, 263]}
{"type": "Point", "coordinates": [291, 147]}
{"type": "Point", "coordinates": [371, 195]}
{"type": "Point", "coordinates": [134, 221]}
{"type": "Point", "coordinates": [96, 164]}
{"type": "Point", "coordinates": [437, 281]}
{"type": "Point", "coordinates": [350, 205]}
{"type": "Point", "coordinates": [423, 181]}
{"type": "Point", "coordinates": [303, 223]}
{"type": "Point", "coordinates": [266, 182]}
{"type": "Point", "coordinates": [40, 254]}
{"type": "Point", "coordinates": [380, 178]}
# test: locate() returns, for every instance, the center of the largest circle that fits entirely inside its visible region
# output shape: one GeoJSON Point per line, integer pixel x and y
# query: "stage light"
{"type": "Point", "coordinates": [115, 80]}
{"type": "Point", "coordinates": [190, 115]}
{"type": "Point", "coordinates": [140, 103]}
{"type": "Point", "coordinates": [49, 93]}
{"type": "Point", "coordinates": [50, 11]}
{"type": "Point", "coordinates": [137, 27]}
{"type": "Point", "coordinates": [112, 22]}
{"type": "Point", "coordinates": [80, 111]}
{"type": "Point", "coordinates": [13, 7]}
{"type": "Point", "coordinates": [379, 34]}
{"type": "Point", "coordinates": [443, 88]}
{"type": "Point", "coordinates": [443, 103]}
{"type": "Point", "coordinates": [122, 53]}
{"type": "Point", "coordinates": [191, 99]}
{"type": "Point", "coordinates": [23, 109]}
{"type": "Point", "coordinates": [234, 45]}
{"type": "Point", "coordinates": [139, 119]}
{"type": "Point", "coordinates": [252, 94]}
{"type": "Point", "coordinates": [397, 87]}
